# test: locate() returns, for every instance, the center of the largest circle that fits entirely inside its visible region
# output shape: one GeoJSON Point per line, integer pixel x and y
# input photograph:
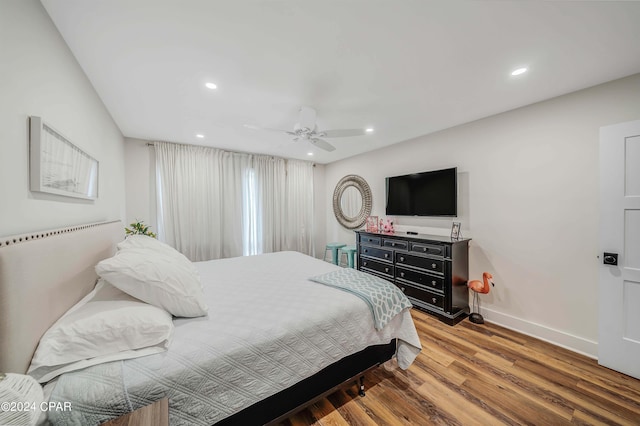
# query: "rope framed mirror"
{"type": "Point", "coordinates": [352, 201]}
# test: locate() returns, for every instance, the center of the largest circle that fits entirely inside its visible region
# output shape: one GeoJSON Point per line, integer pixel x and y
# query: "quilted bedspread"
{"type": "Point", "coordinates": [268, 328]}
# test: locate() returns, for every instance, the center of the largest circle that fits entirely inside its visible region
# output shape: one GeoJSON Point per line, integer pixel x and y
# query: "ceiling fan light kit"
{"type": "Point", "coordinates": [306, 130]}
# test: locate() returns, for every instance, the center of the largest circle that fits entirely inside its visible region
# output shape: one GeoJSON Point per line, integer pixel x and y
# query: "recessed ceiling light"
{"type": "Point", "coordinates": [519, 71]}
{"type": "Point", "coordinates": [309, 153]}
{"type": "Point", "coordinates": [200, 136]}
{"type": "Point", "coordinates": [369, 130]}
{"type": "Point", "coordinates": [211, 86]}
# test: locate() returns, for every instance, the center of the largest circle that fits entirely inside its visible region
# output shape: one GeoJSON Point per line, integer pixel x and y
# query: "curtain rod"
{"type": "Point", "coordinates": [272, 156]}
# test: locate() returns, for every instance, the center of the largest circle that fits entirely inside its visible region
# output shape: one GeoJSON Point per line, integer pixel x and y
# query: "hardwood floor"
{"type": "Point", "coordinates": [483, 375]}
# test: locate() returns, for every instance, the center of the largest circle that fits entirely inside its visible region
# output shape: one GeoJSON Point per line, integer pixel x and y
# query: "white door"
{"type": "Point", "coordinates": [619, 293]}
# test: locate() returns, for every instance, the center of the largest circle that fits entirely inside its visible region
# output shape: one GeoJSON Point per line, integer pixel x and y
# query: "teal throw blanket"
{"type": "Point", "coordinates": [384, 299]}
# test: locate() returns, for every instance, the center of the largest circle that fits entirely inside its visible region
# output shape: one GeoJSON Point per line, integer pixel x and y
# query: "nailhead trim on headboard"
{"type": "Point", "coordinates": [16, 239]}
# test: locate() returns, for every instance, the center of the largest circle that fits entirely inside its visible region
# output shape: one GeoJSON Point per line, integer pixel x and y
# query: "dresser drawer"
{"type": "Point", "coordinates": [380, 267]}
{"type": "Point", "coordinates": [372, 241]}
{"type": "Point", "coordinates": [378, 253]}
{"type": "Point", "coordinates": [433, 299]}
{"type": "Point", "coordinates": [383, 276]}
{"type": "Point", "coordinates": [430, 264]}
{"type": "Point", "coordinates": [432, 282]}
{"type": "Point", "coordinates": [432, 249]}
{"type": "Point", "coordinates": [396, 244]}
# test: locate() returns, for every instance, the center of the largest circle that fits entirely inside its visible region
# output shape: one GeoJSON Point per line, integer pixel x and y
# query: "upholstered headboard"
{"type": "Point", "coordinates": [41, 276]}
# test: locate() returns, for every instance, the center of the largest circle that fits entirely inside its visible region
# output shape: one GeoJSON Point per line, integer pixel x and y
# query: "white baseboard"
{"type": "Point", "coordinates": [559, 338]}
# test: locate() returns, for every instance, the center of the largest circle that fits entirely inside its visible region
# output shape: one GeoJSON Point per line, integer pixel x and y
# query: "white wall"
{"type": "Point", "coordinates": [141, 195]}
{"type": "Point", "coordinates": [39, 76]}
{"type": "Point", "coordinates": [528, 196]}
{"type": "Point", "coordinates": [140, 180]}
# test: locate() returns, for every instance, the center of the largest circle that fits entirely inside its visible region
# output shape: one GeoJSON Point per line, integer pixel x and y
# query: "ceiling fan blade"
{"type": "Point", "coordinates": [322, 144]}
{"type": "Point", "coordinates": [252, 127]}
{"type": "Point", "coordinates": [307, 118]}
{"type": "Point", "coordinates": [342, 133]}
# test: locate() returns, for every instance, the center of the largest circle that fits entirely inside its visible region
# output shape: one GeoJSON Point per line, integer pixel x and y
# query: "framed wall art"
{"type": "Point", "coordinates": [57, 166]}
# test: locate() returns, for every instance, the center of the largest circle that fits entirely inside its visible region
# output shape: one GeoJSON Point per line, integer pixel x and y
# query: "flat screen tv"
{"type": "Point", "coordinates": [431, 193]}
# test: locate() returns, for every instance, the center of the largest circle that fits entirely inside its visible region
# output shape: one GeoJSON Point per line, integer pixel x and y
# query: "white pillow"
{"type": "Point", "coordinates": [157, 278]}
{"type": "Point", "coordinates": [107, 325]}
{"type": "Point", "coordinates": [145, 242]}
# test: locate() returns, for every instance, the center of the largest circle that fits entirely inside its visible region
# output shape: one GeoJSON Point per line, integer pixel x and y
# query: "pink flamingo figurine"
{"type": "Point", "coordinates": [479, 287]}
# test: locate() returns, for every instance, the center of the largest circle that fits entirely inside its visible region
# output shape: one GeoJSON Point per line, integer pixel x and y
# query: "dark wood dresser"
{"type": "Point", "coordinates": [431, 270]}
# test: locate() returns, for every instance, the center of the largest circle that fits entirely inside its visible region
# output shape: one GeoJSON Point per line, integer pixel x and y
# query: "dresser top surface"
{"type": "Point", "coordinates": [416, 237]}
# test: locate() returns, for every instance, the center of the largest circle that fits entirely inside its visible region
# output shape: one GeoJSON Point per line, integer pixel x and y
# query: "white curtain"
{"type": "Point", "coordinates": [299, 222]}
{"type": "Point", "coordinates": [265, 233]}
{"type": "Point", "coordinates": [279, 205]}
{"type": "Point", "coordinates": [199, 200]}
{"type": "Point", "coordinates": [213, 203]}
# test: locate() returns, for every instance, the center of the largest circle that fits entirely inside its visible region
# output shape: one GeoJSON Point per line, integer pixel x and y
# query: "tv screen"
{"type": "Point", "coordinates": [431, 193]}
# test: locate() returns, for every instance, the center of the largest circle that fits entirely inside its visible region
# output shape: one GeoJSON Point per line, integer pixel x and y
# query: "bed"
{"type": "Point", "coordinates": [272, 342]}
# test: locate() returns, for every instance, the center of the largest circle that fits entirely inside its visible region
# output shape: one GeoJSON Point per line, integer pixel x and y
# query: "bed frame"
{"type": "Point", "coordinates": [43, 274]}
{"type": "Point", "coordinates": [278, 407]}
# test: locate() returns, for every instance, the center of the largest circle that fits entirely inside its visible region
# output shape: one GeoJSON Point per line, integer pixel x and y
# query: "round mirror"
{"type": "Point", "coordinates": [352, 201]}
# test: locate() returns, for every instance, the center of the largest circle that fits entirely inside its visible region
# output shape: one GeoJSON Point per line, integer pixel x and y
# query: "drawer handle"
{"type": "Point", "coordinates": [424, 249]}
{"type": "Point", "coordinates": [393, 244]}
{"type": "Point", "coordinates": [366, 251]}
{"type": "Point", "coordinates": [433, 265]}
{"type": "Point", "coordinates": [433, 283]}
{"type": "Point", "coordinates": [386, 269]}
{"type": "Point", "coordinates": [401, 259]}
{"type": "Point", "coordinates": [433, 299]}
{"type": "Point", "coordinates": [364, 263]}
{"type": "Point", "coordinates": [402, 289]}
{"type": "Point", "coordinates": [386, 255]}
{"type": "Point", "coordinates": [402, 274]}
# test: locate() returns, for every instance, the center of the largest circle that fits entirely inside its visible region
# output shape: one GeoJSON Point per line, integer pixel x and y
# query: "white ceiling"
{"type": "Point", "coordinates": [404, 67]}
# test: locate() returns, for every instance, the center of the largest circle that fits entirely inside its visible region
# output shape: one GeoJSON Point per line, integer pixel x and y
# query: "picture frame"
{"type": "Point", "coordinates": [372, 224]}
{"type": "Point", "coordinates": [386, 225]}
{"type": "Point", "coordinates": [455, 231]}
{"type": "Point", "coordinates": [57, 166]}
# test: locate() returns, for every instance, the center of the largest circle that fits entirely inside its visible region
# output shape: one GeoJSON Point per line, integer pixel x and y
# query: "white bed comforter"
{"type": "Point", "coordinates": [268, 328]}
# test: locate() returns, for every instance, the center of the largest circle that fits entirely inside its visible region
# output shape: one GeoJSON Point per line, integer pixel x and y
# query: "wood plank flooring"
{"type": "Point", "coordinates": [483, 375]}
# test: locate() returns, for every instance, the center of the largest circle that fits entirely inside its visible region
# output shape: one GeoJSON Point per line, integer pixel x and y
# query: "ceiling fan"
{"type": "Point", "coordinates": [306, 130]}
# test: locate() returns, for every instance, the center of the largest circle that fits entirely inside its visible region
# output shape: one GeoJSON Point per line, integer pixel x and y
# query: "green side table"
{"type": "Point", "coordinates": [350, 251]}
{"type": "Point", "coordinates": [333, 247]}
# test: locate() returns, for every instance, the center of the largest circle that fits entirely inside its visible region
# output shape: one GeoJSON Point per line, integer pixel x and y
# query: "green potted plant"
{"type": "Point", "coordinates": [139, 228]}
